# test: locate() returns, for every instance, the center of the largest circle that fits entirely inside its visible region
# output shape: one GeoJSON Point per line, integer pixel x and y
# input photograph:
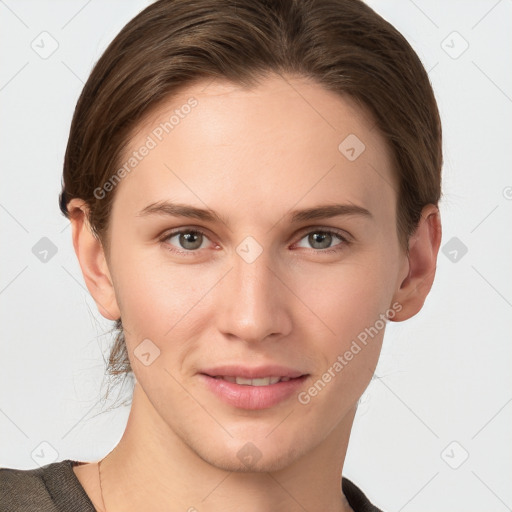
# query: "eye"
{"type": "Point", "coordinates": [321, 240]}
{"type": "Point", "coordinates": [187, 240]}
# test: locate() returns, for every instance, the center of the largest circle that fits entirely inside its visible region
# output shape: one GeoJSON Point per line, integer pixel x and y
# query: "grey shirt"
{"type": "Point", "coordinates": [55, 488]}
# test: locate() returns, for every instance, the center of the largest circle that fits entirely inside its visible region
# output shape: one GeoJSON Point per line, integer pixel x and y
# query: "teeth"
{"type": "Point", "coordinates": [265, 381]}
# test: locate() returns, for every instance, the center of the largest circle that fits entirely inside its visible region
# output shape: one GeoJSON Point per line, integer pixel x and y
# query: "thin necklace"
{"type": "Point", "coordinates": [101, 488]}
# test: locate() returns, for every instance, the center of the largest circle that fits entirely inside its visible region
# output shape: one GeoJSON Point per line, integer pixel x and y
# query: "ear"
{"type": "Point", "coordinates": [422, 259]}
{"type": "Point", "coordinates": [93, 263]}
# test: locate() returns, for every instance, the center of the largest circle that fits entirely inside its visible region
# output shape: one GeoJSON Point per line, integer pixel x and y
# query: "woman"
{"type": "Point", "coordinates": [253, 191]}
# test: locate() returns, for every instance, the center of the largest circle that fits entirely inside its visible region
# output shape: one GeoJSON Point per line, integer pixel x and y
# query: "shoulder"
{"type": "Point", "coordinates": [24, 490]}
{"type": "Point", "coordinates": [356, 498]}
{"type": "Point", "coordinates": [50, 488]}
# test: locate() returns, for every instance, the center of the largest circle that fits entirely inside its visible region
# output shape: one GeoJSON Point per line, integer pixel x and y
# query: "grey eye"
{"type": "Point", "coordinates": [321, 239]}
{"type": "Point", "coordinates": [188, 240]}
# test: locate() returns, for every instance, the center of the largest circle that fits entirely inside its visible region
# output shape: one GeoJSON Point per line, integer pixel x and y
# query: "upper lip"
{"type": "Point", "coordinates": [257, 372]}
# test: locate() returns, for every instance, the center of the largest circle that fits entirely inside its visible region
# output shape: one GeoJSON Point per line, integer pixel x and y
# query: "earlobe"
{"type": "Point", "coordinates": [92, 260]}
{"type": "Point", "coordinates": [422, 259]}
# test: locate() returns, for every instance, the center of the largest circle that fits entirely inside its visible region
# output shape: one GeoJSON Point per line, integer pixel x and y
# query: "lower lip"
{"type": "Point", "coordinates": [252, 397]}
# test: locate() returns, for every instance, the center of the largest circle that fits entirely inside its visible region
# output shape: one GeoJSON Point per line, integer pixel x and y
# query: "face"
{"type": "Point", "coordinates": [260, 282]}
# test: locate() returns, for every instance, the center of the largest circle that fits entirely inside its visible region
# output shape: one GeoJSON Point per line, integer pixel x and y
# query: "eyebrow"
{"type": "Point", "coordinates": [315, 213]}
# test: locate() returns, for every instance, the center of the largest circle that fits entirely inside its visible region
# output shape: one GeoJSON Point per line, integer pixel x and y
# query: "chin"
{"type": "Point", "coordinates": [249, 457]}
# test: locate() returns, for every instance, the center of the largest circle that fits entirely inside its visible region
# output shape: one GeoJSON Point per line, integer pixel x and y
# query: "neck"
{"type": "Point", "coordinates": [154, 468]}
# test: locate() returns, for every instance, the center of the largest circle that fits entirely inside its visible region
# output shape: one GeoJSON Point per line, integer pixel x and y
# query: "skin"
{"type": "Point", "coordinates": [252, 156]}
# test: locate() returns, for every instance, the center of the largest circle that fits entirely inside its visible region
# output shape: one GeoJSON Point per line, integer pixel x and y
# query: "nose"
{"type": "Point", "coordinates": [252, 302]}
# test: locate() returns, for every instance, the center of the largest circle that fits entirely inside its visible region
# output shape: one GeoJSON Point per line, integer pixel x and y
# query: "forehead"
{"type": "Point", "coordinates": [283, 142]}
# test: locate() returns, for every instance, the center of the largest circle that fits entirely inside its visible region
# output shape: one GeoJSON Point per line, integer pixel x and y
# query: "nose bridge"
{"type": "Point", "coordinates": [253, 304]}
{"type": "Point", "coordinates": [253, 276]}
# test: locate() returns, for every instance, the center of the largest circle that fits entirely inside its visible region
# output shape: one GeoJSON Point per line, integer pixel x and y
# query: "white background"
{"type": "Point", "coordinates": [444, 375]}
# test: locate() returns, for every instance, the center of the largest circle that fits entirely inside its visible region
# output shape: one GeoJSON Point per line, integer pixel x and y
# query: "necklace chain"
{"type": "Point", "coordinates": [101, 487]}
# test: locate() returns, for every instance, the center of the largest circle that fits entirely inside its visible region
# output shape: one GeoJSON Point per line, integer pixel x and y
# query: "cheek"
{"type": "Point", "coordinates": [352, 301]}
{"type": "Point", "coordinates": [155, 299]}
{"type": "Point", "coordinates": [348, 297]}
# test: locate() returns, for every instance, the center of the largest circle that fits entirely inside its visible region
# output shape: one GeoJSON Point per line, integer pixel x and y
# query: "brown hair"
{"type": "Point", "coordinates": [342, 45]}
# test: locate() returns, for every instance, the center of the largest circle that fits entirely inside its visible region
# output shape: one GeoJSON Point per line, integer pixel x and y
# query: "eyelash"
{"type": "Point", "coordinates": [337, 248]}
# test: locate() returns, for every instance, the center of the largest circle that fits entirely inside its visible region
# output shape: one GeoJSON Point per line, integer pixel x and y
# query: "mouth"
{"type": "Point", "coordinates": [253, 392]}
